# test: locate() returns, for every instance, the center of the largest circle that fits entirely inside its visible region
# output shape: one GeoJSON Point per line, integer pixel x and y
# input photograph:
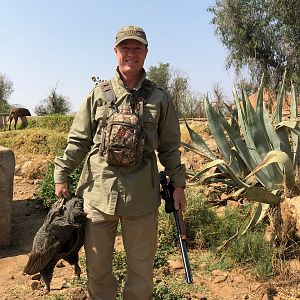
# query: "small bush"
{"type": "Point", "coordinates": [46, 188]}
{"type": "Point", "coordinates": [253, 249]}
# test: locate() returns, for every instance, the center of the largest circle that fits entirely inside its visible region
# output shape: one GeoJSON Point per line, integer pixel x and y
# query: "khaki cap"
{"type": "Point", "coordinates": [131, 33]}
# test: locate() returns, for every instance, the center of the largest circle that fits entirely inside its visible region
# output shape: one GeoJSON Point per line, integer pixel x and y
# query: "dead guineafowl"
{"type": "Point", "coordinates": [60, 237]}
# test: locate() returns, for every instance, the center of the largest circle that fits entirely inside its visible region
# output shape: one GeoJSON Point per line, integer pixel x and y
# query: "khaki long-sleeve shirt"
{"type": "Point", "coordinates": [127, 191]}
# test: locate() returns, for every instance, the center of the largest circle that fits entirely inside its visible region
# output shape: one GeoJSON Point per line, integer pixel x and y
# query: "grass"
{"type": "Point", "coordinates": [36, 141]}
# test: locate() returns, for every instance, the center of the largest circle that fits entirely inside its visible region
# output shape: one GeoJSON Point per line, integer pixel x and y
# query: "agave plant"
{"type": "Point", "coordinates": [260, 153]}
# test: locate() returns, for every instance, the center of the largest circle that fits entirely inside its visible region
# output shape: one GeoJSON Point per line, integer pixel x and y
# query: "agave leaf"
{"type": "Point", "coordinates": [278, 111]}
{"type": "Point", "coordinates": [294, 136]}
{"type": "Point", "coordinates": [199, 143]}
{"type": "Point", "coordinates": [259, 214]}
{"type": "Point", "coordinates": [224, 167]}
{"type": "Point", "coordinates": [276, 156]}
{"type": "Point", "coordinates": [198, 149]}
{"type": "Point", "coordinates": [263, 176]}
{"type": "Point", "coordinates": [259, 194]}
{"type": "Point", "coordinates": [219, 135]}
{"type": "Point", "coordinates": [266, 123]}
{"type": "Point", "coordinates": [263, 141]}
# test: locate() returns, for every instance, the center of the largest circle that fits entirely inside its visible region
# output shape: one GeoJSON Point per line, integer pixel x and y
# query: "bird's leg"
{"type": "Point", "coordinates": [77, 270]}
{"type": "Point", "coordinates": [46, 283]}
{"type": "Point", "coordinates": [46, 276]}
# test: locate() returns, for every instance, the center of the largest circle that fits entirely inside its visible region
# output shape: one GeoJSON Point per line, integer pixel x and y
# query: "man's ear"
{"type": "Point", "coordinates": [115, 49]}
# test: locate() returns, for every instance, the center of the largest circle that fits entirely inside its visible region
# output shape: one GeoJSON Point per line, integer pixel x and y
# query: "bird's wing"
{"type": "Point", "coordinates": [38, 260]}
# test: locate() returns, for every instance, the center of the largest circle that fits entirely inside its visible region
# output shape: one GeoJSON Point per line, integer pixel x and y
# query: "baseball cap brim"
{"type": "Point", "coordinates": [131, 37]}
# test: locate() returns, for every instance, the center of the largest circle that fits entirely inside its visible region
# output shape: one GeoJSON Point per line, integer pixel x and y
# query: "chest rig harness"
{"type": "Point", "coordinates": [122, 134]}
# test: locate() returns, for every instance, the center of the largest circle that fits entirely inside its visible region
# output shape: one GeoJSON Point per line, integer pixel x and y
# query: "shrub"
{"type": "Point", "coordinates": [46, 189]}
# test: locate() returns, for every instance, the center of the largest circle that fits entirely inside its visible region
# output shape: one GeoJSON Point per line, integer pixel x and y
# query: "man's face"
{"type": "Point", "coordinates": [131, 55]}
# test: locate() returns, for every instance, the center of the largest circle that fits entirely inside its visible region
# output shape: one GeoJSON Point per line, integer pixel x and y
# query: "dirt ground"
{"type": "Point", "coordinates": [28, 217]}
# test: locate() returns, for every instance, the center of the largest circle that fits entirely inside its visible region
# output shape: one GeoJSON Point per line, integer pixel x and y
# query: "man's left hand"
{"type": "Point", "coordinates": [179, 198]}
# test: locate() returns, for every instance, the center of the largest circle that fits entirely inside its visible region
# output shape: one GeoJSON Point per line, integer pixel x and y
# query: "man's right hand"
{"type": "Point", "coordinates": [62, 190]}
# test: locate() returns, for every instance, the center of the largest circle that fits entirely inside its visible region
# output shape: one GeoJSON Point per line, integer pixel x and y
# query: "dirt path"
{"type": "Point", "coordinates": [28, 217]}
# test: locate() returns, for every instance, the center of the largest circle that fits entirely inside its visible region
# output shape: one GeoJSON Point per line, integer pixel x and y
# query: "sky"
{"type": "Point", "coordinates": [63, 43]}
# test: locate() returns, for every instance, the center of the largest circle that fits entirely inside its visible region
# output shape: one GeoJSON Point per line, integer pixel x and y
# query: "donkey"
{"type": "Point", "coordinates": [15, 113]}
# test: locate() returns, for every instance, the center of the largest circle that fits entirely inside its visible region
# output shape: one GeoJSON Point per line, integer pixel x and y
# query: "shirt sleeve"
{"type": "Point", "coordinates": [80, 139]}
{"type": "Point", "coordinates": [169, 143]}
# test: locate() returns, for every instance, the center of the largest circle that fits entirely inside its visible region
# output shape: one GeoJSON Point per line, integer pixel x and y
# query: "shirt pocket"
{"type": "Point", "coordinates": [99, 113]}
{"type": "Point", "coordinates": [150, 117]}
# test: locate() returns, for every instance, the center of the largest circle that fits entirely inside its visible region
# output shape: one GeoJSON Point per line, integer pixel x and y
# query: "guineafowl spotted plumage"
{"type": "Point", "coordinates": [60, 237]}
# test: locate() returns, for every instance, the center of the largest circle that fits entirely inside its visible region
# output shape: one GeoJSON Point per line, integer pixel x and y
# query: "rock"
{"type": "Point", "coordinates": [35, 285]}
{"type": "Point", "coordinates": [60, 264]}
{"type": "Point", "coordinates": [255, 287]}
{"type": "Point", "coordinates": [219, 272]}
{"type": "Point", "coordinates": [294, 265]}
{"type": "Point", "coordinates": [198, 296]}
{"type": "Point", "coordinates": [219, 279]}
{"type": "Point", "coordinates": [290, 214]}
{"type": "Point", "coordinates": [231, 203]}
{"type": "Point", "coordinates": [219, 276]}
{"type": "Point", "coordinates": [77, 294]}
{"type": "Point", "coordinates": [12, 277]}
{"type": "Point", "coordinates": [239, 279]}
{"type": "Point", "coordinates": [175, 264]}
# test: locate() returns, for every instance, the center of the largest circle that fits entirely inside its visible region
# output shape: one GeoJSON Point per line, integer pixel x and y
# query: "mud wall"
{"type": "Point", "coordinates": [7, 167]}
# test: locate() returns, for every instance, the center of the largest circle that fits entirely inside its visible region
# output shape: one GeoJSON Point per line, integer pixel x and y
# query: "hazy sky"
{"type": "Point", "coordinates": [64, 42]}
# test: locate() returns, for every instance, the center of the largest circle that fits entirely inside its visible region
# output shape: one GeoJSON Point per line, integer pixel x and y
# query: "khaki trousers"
{"type": "Point", "coordinates": [140, 242]}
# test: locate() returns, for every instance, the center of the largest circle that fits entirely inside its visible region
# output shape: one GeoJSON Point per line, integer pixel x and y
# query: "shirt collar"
{"type": "Point", "coordinates": [120, 81]}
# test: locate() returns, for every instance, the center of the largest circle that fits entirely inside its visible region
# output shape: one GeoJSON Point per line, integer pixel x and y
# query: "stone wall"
{"type": "Point", "coordinates": [7, 167]}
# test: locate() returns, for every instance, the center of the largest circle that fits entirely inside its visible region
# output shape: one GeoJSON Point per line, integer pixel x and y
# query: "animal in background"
{"type": "Point", "coordinates": [15, 113]}
{"type": "Point", "coordinates": [60, 237]}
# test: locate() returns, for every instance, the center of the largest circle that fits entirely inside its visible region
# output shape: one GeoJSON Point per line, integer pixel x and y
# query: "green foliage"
{"type": "Point", "coordinates": [205, 227]}
{"type": "Point", "coordinates": [259, 154]}
{"type": "Point", "coordinates": [6, 89]}
{"type": "Point", "coordinates": [162, 292]}
{"type": "Point", "coordinates": [252, 249]}
{"type": "Point", "coordinates": [176, 84]}
{"type": "Point", "coordinates": [61, 123]}
{"type": "Point", "coordinates": [46, 189]}
{"type": "Point", "coordinates": [119, 265]}
{"type": "Point", "coordinates": [161, 75]}
{"type": "Point", "coordinates": [55, 103]}
{"type": "Point", "coordinates": [260, 35]}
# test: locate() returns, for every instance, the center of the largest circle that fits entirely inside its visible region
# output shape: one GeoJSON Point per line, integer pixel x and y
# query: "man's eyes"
{"type": "Point", "coordinates": [134, 49]}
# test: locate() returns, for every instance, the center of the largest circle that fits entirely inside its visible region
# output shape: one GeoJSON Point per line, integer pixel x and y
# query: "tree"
{"type": "Point", "coordinates": [161, 75]}
{"type": "Point", "coordinates": [6, 89]}
{"type": "Point", "coordinates": [261, 35]}
{"type": "Point", "coordinates": [55, 103]}
{"type": "Point", "coordinates": [173, 82]}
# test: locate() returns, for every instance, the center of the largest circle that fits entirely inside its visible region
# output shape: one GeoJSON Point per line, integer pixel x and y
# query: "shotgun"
{"type": "Point", "coordinates": [167, 195]}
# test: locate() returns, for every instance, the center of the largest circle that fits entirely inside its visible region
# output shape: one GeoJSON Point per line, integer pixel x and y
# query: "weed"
{"type": "Point", "coordinates": [46, 188]}
{"type": "Point", "coordinates": [252, 249]}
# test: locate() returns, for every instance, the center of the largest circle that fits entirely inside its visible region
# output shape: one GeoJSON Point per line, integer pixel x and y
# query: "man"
{"type": "Point", "coordinates": [129, 194]}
